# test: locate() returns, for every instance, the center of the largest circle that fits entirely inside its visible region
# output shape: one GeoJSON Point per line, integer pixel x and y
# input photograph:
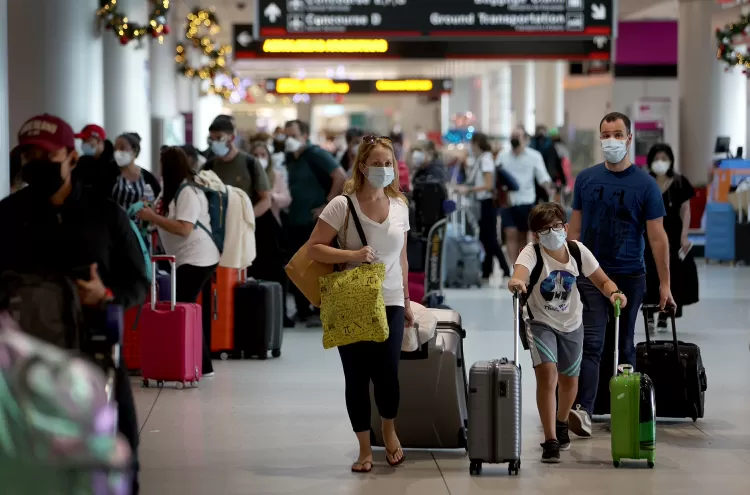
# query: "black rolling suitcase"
{"type": "Point", "coordinates": [677, 371]}
{"type": "Point", "coordinates": [258, 319]}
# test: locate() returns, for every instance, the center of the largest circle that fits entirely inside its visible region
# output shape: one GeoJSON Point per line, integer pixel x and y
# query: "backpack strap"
{"type": "Point", "coordinates": [575, 253]}
{"type": "Point", "coordinates": [536, 272]}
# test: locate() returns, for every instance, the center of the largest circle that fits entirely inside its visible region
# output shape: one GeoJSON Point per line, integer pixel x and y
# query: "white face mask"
{"type": "Point", "coordinates": [554, 240]}
{"type": "Point", "coordinates": [380, 177]}
{"type": "Point", "coordinates": [418, 158]}
{"type": "Point", "coordinates": [263, 162]}
{"type": "Point", "coordinates": [123, 158]}
{"type": "Point", "coordinates": [660, 167]}
{"type": "Point", "coordinates": [292, 145]}
{"type": "Point", "coordinates": [614, 150]}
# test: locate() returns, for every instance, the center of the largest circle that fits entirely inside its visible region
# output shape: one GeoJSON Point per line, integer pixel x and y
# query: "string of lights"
{"type": "Point", "coordinates": [726, 40]}
{"type": "Point", "coordinates": [127, 31]}
{"type": "Point", "coordinates": [201, 27]}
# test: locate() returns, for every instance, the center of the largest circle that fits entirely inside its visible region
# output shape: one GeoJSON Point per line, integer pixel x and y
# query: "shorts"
{"type": "Point", "coordinates": [516, 217]}
{"type": "Point", "coordinates": [548, 345]}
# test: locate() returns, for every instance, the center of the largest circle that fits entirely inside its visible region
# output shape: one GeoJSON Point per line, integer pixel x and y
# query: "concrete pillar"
{"type": "Point", "coordinates": [713, 103]}
{"type": "Point", "coordinates": [127, 85]}
{"type": "Point", "coordinates": [550, 94]}
{"type": "Point", "coordinates": [485, 100]}
{"type": "Point", "coordinates": [524, 95]}
{"type": "Point", "coordinates": [207, 108]}
{"type": "Point", "coordinates": [163, 95]}
{"type": "Point", "coordinates": [500, 123]}
{"type": "Point", "coordinates": [55, 53]}
{"type": "Point", "coordinates": [445, 113]}
{"type": "Point", "coordinates": [4, 123]}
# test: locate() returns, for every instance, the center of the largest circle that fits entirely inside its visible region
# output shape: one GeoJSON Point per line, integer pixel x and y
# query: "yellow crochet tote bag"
{"type": "Point", "coordinates": [352, 307]}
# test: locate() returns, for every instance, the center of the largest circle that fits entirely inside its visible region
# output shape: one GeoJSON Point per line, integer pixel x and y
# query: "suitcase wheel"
{"type": "Point", "coordinates": [144, 384]}
{"type": "Point", "coordinates": [179, 385]}
{"type": "Point", "coordinates": [475, 467]}
{"type": "Point", "coordinates": [276, 353]}
{"type": "Point", "coordinates": [651, 464]}
{"type": "Point", "coordinates": [224, 356]}
{"type": "Point", "coordinates": [159, 384]}
{"type": "Point", "coordinates": [616, 464]}
{"type": "Point", "coordinates": [194, 384]}
{"type": "Point", "coordinates": [513, 467]}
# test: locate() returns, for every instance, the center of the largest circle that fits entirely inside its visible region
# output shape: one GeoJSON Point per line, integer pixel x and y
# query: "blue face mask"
{"type": "Point", "coordinates": [554, 240]}
{"type": "Point", "coordinates": [88, 150]}
{"type": "Point", "coordinates": [220, 148]}
{"type": "Point", "coordinates": [380, 177]}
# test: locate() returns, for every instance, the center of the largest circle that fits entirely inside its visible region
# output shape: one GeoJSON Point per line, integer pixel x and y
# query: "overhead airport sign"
{"type": "Point", "coordinates": [415, 18]}
{"type": "Point", "coordinates": [288, 86]}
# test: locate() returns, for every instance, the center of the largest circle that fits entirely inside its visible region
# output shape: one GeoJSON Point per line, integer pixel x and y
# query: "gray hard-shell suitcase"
{"type": "Point", "coordinates": [495, 409]}
{"type": "Point", "coordinates": [432, 413]}
{"type": "Point", "coordinates": [463, 261]}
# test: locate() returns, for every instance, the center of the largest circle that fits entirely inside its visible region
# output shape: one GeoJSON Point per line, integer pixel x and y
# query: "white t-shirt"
{"type": "Point", "coordinates": [554, 299]}
{"type": "Point", "coordinates": [386, 239]}
{"type": "Point", "coordinates": [197, 249]}
{"type": "Point", "coordinates": [524, 167]}
{"type": "Point", "coordinates": [483, 165]}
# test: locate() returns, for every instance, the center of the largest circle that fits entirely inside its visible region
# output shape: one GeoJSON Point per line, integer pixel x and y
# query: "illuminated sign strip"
{"type": "Point", "coordinates": [288, 86]}
{"type": "Point", "coordinates": [406, 86]}
{"type": "Point", "coordinates": [324, 46]}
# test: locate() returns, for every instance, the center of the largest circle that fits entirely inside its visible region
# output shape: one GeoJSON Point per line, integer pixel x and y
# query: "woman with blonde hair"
{"type": "Point", "coordinates": [384, 215]}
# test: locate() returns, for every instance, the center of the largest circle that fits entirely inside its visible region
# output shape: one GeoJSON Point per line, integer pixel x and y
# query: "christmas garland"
{"type": "Point", "coordinates": [726, 39]}
{"type": "Point", "coordinates": [127, 31]}
{"type": "Point", "coordinates": [202, 25]}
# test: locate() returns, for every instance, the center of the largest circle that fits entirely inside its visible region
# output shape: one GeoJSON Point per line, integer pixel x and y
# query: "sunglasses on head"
{"type": "Point", "coordinates": [373, 139]}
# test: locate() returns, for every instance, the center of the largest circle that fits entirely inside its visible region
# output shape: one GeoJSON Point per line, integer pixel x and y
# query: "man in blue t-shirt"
{"type": "Point", "coordinates": [614, 203]}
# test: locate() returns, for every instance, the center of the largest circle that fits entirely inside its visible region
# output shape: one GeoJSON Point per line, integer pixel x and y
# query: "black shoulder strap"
{"type": "Point", "coordinates": [575, 253]}
{"type": "Point", "coordinates": [357, 223]}
{"type": "Point", "coordinates": [537, 271]}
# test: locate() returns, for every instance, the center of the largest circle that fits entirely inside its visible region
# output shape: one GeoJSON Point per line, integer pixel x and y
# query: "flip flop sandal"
{"type": "Point", "coordinates": [392, 455]}
{"type": "Point", "coordinates": [364, 469]}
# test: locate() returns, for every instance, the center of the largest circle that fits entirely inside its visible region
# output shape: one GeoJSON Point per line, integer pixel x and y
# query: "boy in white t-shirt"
{"type": "Point", "coordinates": [553, 315]}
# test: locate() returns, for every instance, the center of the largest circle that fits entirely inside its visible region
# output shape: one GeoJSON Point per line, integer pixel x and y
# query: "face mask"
{"type": "Point", "coordinates": [292, 145]}
{"type": "Point", "coordinates": [263, 162]}
{"type": "Point", "coordinates": [515, 143]}
{"type": "Point", "coordinates": [88, 150]}
{"type": "Point", "coordinates": [123, 158]}
{"type": "Point", "coordinates": [614, 150]}
{"type": "Point", "coordinates": [43, 176]}
{"type": "Point", "coordinates": [418, 158]}
{"type": "Point", "coordinates": [380, 177]}
{"type": "Point", "coordinates": [660, 167]}
{"type": "Point", "coordinates": [554, 240]}
{"type": "Point", "coordinates": [220, 148]}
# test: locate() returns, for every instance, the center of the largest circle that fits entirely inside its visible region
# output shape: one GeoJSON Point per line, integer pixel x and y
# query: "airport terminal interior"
{"type": "Point", "coordinates": [427, 76]}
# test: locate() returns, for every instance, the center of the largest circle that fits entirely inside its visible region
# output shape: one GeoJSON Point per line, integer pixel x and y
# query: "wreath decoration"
{"type": "Point", "coordinates": [727, 38]}
{"type": "Point", "coordinates": [117, 22]}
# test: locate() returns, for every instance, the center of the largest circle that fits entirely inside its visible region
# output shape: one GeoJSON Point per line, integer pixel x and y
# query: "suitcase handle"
{"type": "Point", "coordinates": [516, 326]}
{"type": "Point", "coordinates": [671, 311]}
{"type": "Point", "coordinates": [617, 337]}
{"type": "Point", "coordinates": [172, 278]}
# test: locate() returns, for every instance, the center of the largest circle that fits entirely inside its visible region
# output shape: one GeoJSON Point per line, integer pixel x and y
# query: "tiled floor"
{"type": "Point", "coordinates": [280, 426]}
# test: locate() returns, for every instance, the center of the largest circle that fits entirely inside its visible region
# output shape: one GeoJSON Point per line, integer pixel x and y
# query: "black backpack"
{"type": "Point", "coordinates": [536, 272]}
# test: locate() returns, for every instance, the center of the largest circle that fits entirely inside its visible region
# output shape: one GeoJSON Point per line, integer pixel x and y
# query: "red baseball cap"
{"type": "Point", "coordinates": [48, 132]}
{"type": "Point", "coordinates": [92, 130]}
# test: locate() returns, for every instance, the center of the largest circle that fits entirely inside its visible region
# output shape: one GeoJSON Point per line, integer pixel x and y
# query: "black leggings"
{"type": "Point", "coordinates": [488, 237]}
{"type": "Point", "coordinates": [190, 282]}
{"type": "Point", "coordinates": [376, 361]}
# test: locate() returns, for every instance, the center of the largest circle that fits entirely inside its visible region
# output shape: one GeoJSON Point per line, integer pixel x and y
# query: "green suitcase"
{"type": "Point", "coordinates": [633, 411]}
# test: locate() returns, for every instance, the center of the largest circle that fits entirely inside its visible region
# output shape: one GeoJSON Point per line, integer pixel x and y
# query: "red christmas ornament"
{"type": "Point", "coordinates": [154, 34]}
{"type": "Point", "coordinates": [166, 29]}
{"type": "Point", "coordinates": [124, 40]}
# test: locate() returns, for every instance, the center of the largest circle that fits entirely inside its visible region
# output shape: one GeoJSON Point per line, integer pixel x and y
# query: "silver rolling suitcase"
{"type": "Point", "coordinates": [495, 409]}
{"type": "Point", "coordinates": [432, 413]}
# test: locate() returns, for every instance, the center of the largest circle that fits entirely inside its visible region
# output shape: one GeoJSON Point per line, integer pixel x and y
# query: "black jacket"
{"type": "Point", "coordinates": [39, 238]}
{"type": "Point", "coordinates": [98, 174]}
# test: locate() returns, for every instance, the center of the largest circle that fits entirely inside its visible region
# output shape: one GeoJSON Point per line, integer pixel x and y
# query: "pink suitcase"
{"type": "Point", "coordinates": [172, 339]}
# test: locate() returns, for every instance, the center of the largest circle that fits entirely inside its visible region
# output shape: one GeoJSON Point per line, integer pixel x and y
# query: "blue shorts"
{"type": "Point", "coordinates": [516, 217]}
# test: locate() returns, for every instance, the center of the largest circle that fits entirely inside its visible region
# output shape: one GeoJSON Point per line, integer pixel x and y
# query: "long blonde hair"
{"type": "Point", "coordinates": [358, 179]}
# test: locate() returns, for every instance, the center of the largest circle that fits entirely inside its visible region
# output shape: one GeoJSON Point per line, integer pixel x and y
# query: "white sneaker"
{"type": "Point", "coordinates": [579, 422]}
{"type": "Point", "coordinates": [208, 375]}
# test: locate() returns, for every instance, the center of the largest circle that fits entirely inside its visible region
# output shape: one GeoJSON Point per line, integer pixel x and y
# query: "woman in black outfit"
{"type": "Point", "coordinates": [180, 209]}
{"type": "Point", "coordinates": [676, 193]}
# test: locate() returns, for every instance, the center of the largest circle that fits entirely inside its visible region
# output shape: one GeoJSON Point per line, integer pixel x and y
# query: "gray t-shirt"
{"type": "Point", "coordinates": [243, 173]}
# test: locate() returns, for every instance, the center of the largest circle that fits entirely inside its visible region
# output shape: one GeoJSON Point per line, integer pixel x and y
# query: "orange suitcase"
{"type": "Point", "coordinates": [223, 283]}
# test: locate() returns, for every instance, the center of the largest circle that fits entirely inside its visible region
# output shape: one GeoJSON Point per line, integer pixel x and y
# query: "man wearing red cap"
{"type": "Point", "coordinates": [55, 227]}
{"type": "Point", "coordinates": [97, 168]}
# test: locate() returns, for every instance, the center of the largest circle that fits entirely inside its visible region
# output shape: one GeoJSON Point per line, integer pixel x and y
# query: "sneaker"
{"type": "Point", "coordinates": [661, 327]}
{"type": "Point", "coordinates": [209, 375]}
{"type": "Point", "coordinates": [580, 422]}
{"type": "Point", "coordinates": [563, 437]}
{"type": "Point", "coordinates": [551, 452]}
{"type": "Point", "coordinates": [314, 322]}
